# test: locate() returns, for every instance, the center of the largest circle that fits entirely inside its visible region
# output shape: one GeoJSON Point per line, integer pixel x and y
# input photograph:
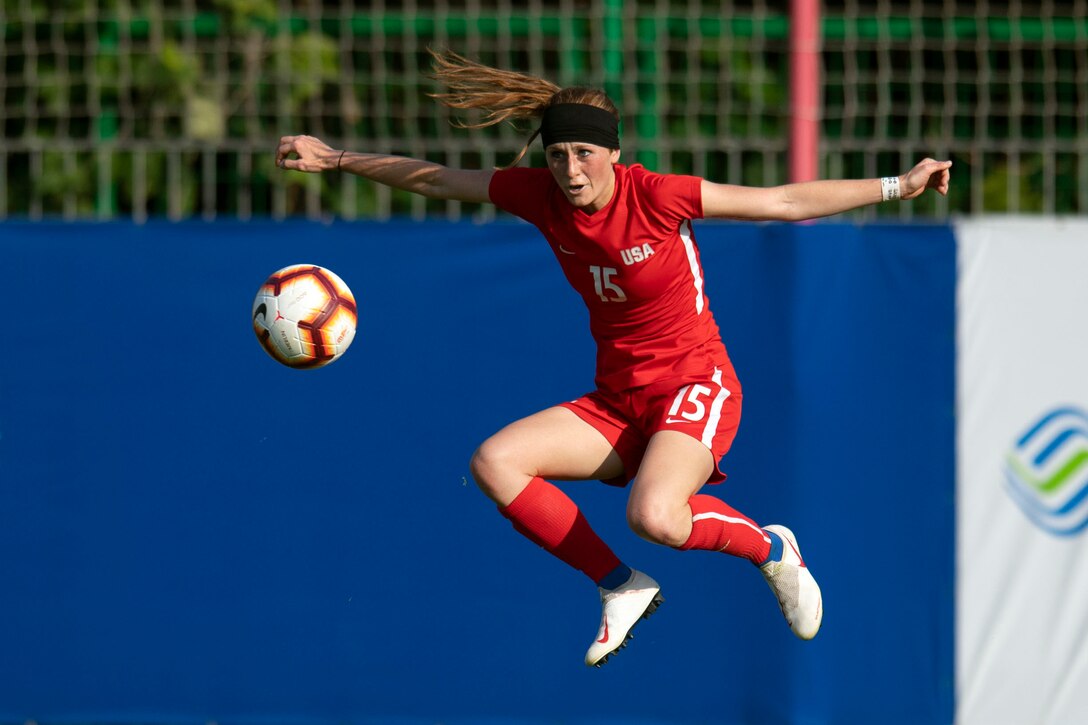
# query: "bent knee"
{"type": "Point", "coordinates": [659, 522]}
{"type": "Point", "coordinates": [495, 469]}
{"type": "Point", "coordinates": [490, 459]}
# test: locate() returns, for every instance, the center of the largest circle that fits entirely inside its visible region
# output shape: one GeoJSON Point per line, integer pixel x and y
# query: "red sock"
{"type": "Point", "coordinates": [547, 517]}
{"type": "Point", "coordinates": [715, 526]}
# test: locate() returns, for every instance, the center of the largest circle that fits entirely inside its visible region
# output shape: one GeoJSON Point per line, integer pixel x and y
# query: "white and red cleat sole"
{"type": "Point", "coordinates": [621, 610]}
{"type": "Point", "coordinates": [795, 588]}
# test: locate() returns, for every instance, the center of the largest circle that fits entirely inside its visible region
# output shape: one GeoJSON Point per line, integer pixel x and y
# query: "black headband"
{"type": "Point", "coordinates": [579, 122]}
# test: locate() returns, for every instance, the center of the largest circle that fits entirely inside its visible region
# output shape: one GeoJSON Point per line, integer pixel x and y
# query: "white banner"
{"type": "Point", "coordinates": [1022, 472]}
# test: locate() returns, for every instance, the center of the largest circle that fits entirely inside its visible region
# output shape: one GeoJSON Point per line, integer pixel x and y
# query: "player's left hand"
{"type": "Point", "coordinates": [927, 174]}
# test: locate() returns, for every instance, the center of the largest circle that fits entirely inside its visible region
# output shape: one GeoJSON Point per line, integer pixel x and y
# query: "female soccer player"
{"type": "Point", "coordinates": [667, 403]}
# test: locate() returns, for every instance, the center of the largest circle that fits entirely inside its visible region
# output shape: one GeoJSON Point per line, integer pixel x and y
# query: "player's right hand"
{"type": "Point", "coordinates": [305, 153]}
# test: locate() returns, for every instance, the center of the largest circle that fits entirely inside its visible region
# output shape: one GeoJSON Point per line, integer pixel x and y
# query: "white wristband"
{"type": "Point", "coordinates": [889, 188]}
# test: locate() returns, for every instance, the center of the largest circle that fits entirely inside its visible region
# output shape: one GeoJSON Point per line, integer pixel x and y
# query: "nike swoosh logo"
{"type": "Point", "coordinates": [564, 250]}
{"type": "Point", "coordinates": [604, 637]}
{"type": "Point", "coordinates": [677, 420]}
{"type": "Point", "coordinates": [795, 551]}
{"type": "Point", "coordinates": [262, 311]}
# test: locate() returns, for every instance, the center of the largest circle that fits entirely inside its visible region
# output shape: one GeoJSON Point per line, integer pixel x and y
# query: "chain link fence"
{"type": "Point", "coordinates": [140, 109]}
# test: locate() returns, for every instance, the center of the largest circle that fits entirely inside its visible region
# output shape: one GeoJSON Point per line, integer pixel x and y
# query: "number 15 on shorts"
{"type": "Point", "coordinates": [699, 410]}
{"type": "Point", "coordinates": [689, 404]}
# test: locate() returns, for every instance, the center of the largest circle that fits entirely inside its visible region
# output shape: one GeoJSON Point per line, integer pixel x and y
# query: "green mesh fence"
{"type": "Point", "coordinates": [138, 109]}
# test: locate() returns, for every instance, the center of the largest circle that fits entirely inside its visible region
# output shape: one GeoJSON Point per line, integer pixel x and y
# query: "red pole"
{"type": "Point", "coordinates": [804, 89]}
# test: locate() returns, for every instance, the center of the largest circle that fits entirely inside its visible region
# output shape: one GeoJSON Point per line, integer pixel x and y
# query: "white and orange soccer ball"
{"type": "Point", "coordinates": [304, 316]}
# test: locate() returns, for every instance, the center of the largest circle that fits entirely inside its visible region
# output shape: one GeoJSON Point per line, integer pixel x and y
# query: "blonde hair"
{"type": "Point", "coordinates": [505, 95]}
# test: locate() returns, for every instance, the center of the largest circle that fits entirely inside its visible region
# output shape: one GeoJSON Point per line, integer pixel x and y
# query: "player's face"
{"type": "Point", "coordinates": [584, 172]}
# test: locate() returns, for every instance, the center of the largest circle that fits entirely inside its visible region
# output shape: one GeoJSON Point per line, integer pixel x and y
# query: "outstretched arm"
{"type": "Point", "coordinates": [306, 153]}
{"type": "Point", "coordinates": [811, 199]}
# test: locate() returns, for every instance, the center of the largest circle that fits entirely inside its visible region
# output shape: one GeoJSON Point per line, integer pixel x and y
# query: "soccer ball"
{"type": "Point", "coordinates": [304, 316]}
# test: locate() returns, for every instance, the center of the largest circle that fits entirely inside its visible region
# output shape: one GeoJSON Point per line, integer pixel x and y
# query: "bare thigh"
{"type": "Point", "coordinates": [674, 468]}
{"type": "Point", "coordinates": [554, 443]}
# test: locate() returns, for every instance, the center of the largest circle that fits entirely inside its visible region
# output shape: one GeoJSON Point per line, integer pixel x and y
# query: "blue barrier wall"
{"type": "Point", "coordinates": [191, 532]}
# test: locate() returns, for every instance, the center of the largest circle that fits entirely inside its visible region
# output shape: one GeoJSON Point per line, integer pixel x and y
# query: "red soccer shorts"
{"type": "Point", "coordinates": [706, 408]}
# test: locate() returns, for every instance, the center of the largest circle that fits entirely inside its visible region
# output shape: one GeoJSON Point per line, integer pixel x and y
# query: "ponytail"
{"type": "Point", "coordinates": [504, 95]}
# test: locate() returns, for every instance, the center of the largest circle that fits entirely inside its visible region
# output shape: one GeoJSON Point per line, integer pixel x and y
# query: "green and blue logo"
{"type": "Point", "coordinates": [1047, 471]}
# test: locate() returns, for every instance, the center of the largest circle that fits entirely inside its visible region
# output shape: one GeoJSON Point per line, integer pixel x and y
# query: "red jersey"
{"type": "Point", "coordinates": [635, 264]}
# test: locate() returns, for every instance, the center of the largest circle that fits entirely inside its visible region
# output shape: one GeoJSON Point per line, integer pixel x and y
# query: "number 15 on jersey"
{"type": "Point", "coordinates": [604, 285]}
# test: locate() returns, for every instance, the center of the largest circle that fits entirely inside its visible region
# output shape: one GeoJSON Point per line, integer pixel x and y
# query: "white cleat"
{"type": "Point", "coordinates": [791, 581]}
{"type": "Point", "coordinates": [622, 607]}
